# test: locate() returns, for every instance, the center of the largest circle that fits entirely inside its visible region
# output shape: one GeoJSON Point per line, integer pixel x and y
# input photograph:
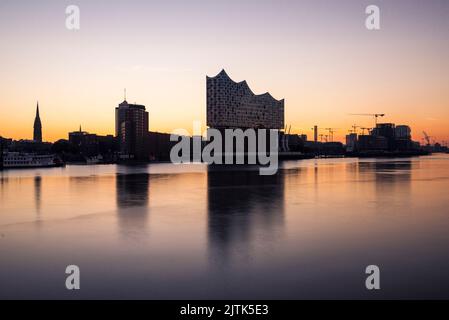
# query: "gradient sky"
{"type": "Point", "coordinates": [318, 55]}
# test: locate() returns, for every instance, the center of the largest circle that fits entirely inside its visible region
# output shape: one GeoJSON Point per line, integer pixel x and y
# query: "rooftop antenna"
{"type": "Point", "coordinates": [124, 94]}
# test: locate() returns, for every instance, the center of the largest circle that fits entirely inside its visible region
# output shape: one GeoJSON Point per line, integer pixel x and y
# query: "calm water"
{"type": "Point", "coordinates": [165, 231]}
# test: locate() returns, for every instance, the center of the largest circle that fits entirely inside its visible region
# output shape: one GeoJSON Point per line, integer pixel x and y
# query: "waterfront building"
{"type": "Point", "coordinates": [386, 130]}
{"type": "Point", "coordinates": [232, 105]}
{"type": "Point", "coordinates": [131, 130]}
{"type": "Point", "coordinates": [159, 146]}
{"type": "Point", "coordinates": [91, 144]}
{"type": "Point", "coordinates": [351, 142]}
{"type": "Point", "coordinates": [372, 143]}
{"type": "Point", "coordinates": [403, 132]}
{"type": "Point", "coordinates": [403, 135]}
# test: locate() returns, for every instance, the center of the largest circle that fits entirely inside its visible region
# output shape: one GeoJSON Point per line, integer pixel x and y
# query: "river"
{"type": "Point", "coordinates": [165, 231]}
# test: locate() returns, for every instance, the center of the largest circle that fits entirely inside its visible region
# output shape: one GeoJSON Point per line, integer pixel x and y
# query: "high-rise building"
{"type": "Point", "coordinates": [372, 143]}
{"type": "Point", "coordinates": [131, 130]}
{"type": "Point", "coordinates": [232, 104]}
{"type": "Point", "coordinates": [403, 132]}
{"type": "Point", "coordinates": [37, 134]}
{"type": "Point", "coordinates": [386, 130]}
{"type": "Point", "coordinates": [351, 142]}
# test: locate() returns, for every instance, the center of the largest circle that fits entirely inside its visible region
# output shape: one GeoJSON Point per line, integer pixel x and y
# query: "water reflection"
{"type": "Point", "coordinates": [388, 173]}
{"type": "Point", "coordinates": [392, 182]}
{"type": "Point", "coordinates": [307, 232]}
{"type": "Point", "coordinates": [3, 182]}
{"type": "Point", "coordinates": [132, 202]}
{"type": "Point", "coordinates": [245, 210]}
{"type": "Point", "coordinates": [37, 195]}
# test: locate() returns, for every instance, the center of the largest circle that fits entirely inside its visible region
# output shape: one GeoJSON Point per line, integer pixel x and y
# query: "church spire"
{"type": "Point", "coordinates": [37, 134]}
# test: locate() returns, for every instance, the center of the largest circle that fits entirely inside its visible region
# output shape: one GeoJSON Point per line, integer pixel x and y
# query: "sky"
{"type": "Point", "coordinates": [317, 55]}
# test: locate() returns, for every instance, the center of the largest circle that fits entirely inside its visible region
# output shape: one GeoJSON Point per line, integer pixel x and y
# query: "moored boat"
{"type": "Point", "coordinates": [30, 160]}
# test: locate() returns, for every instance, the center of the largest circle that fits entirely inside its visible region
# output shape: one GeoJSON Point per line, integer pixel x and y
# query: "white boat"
{"type": "Point", "coordinates": [94, 159]}
{"type": "Point", "coordinates": [29, 160]}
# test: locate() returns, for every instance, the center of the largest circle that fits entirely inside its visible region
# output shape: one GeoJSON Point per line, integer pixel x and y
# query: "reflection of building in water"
{"type": "Point", "coordinates": [245, 210]}
{"type": "Point", "coordinates": [392, 180]}
{"type": "Point", "coordinates": [132, 201]}
{"type": "Point", "coordinates": [37, 195]}
{"type": "Point", "coordinates": [397, 171]}
{"type": "Point", "coordinates": [3, 182]}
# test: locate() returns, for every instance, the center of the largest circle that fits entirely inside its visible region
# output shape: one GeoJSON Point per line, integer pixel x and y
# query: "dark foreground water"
{"type": "Point", "coordinates": [164, 231]}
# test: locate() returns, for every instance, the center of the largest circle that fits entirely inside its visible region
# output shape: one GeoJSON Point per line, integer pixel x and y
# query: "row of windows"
{"type": "Point", "coordinates": [20, 162]}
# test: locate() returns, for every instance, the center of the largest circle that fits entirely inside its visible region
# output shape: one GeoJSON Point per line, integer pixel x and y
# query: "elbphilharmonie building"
{"type": "Point", "coordinates": [232, 104]}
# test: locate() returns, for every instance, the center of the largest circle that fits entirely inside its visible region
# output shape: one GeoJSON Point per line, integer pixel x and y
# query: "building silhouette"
{"type": "Point", "coordinates": [37, 134]}
{"type": "Point", "coordinates": [403, 132]}
{"type": "Point", "coordinates": [234, 105]}
{"type": "Point", "coordinates": [385, 137]}
{"type": "Point", "coordinates": [131, 130]}
{"type": "Point", "coordinates": [91, 144]}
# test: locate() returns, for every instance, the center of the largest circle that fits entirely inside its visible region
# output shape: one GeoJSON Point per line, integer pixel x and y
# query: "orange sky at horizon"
{"type": "Point", "coordinates": [319, 58]}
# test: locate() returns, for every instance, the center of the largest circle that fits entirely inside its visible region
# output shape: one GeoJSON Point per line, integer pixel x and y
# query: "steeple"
{"type": "Point", "coordinates": [37, 135]}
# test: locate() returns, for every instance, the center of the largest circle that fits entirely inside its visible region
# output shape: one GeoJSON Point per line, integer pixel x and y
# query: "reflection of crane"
{"type": "Point", "coordinates": [375, 115]}
{"type": "Point", "coordinates": [331, 133]}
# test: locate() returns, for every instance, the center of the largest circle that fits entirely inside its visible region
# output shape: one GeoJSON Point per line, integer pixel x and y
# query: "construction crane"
{"type": "Point", "coordinates": [354, 129]}
{"type": "Point", "coordinates": [375, 115]}
{"type": "Point", "coordinates": [363, 130]}
{"type": "Point", "coordinates": [321, 137]}
{"type": "Point", "coordinates": [286, 136]}
{"type": "Point", "coordinates": [427, 138]}
{"type": "Point", "coordinates": [331, 133]}
{"type": "Point", "coordinates": [315, 133]}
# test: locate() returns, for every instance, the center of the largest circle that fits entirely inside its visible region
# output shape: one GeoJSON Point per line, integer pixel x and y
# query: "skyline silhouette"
{"type": "Point", "coordinates": [318, 55]}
